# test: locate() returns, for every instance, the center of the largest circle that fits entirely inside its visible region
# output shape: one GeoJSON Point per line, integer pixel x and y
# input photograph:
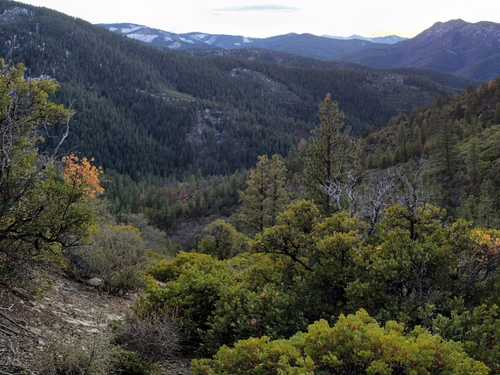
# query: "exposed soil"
{"type": "Point", "coordinates": [68, 312]}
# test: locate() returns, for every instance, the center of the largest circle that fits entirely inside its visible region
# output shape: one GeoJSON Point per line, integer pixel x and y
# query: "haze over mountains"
{"type": "Point", "coordinates": [470, 50]}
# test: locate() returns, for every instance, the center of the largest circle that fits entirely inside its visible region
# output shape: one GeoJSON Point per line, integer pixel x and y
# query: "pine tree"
{"type": "Point", "coordinates": [277, 196]}
{"type": "Point", "coordinates": [420, 141]}
{"type": "Point", "coordinates": [473, 167]}
{"type": "Point", "coordinates": [447, 163]}
{"type": "Point", "coordinates": [266, 194]}
{"type": "Point", "coordinates": [497, 114]}
{"type": "Point", "coordinates": [402, 142]}
{"type": "Point", "coordinates": [330, 157]}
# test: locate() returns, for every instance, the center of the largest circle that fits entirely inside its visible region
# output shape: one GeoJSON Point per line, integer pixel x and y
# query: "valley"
{"type": "Point", "coordinates": [215, 204]}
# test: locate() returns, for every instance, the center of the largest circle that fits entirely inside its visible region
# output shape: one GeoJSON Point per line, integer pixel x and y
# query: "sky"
{"type": "Point", "coordinates": [261, 18]}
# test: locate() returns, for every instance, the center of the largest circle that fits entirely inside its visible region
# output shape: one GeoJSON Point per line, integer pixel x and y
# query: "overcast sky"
{"type": "Point", "coordinates": [272, 17]}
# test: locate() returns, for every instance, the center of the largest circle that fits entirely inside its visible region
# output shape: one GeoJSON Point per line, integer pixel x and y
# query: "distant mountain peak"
{"type": "Point", "coordinates": [478, 30]}
{"type": "Point", "coordinates": [455, 22]}
{"type": "Point", "coordinates": [458, 47]}
{"type": "Point", "coordinates": [441, 27]}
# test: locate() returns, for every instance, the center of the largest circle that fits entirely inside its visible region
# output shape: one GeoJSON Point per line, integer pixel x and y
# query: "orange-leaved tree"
{"type": "Point", "coordinates": [82, 174]}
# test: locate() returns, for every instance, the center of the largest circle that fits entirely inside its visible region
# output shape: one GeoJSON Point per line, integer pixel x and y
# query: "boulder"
{"type": "Point", "coordinates": [95, 282]}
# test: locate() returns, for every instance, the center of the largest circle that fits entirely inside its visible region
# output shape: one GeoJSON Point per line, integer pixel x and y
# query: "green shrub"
{"type": "Point", "coordinates": [156, 240]}
{"type": "Point", "coordinates": [357, 344]}
{"type": "Point", "coordinates": [478, 330]}
{"type": "Point", "coordinates": [123, 362]}
{"type": "Point", "coordinates": [194, 283]}
{"type": "Point", "coordinates": [307, 268]}
{"type": "Point", "coordinates": [218, 302]}
{"type": "Point", "coordinates": [42, 210]}
{"type": "Point", "coordinates": [257, 356]}
{"type": "Point", "coordinates": [222, 240]}
{"type": "Point", "coordinates": [117, 255]}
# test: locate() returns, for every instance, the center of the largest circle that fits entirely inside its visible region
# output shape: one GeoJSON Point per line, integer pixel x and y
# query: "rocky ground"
{"type": "Point", "coordinates": [66, 312]}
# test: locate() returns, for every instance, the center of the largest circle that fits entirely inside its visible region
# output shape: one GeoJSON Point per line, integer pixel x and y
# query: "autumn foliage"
{"type": "Point", "coordinates": [488, 240]}
{"type": "Point", "coordinates": [82, 174]}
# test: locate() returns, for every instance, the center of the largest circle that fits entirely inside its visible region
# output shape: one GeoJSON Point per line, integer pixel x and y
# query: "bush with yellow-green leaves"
{"type": "Point", "coordinates": [309, 268]}
{"type": "Point", "coordinates": [356, 344]}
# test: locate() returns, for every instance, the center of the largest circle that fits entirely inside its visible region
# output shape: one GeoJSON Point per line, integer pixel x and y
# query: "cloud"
{"type": "Point", "coordinates": [257, 8]}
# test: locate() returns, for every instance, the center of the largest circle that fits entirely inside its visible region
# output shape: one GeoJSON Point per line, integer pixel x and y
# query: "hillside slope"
{"type": "Point", "coordinates": [142, 111]}
{"type": "Point", "coordinates": [460, 140]}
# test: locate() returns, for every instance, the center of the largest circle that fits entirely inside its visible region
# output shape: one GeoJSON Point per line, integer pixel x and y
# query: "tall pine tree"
{"type": "Point", "coordinates": [330, 157]}
{"type": "Point", "coordinates": [266, 194]}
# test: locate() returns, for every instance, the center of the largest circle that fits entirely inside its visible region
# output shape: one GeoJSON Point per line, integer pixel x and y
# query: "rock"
{"type": "Point", "coordinates": [35, 331]}
{"type": "Point", "coordinates": [95, 282]}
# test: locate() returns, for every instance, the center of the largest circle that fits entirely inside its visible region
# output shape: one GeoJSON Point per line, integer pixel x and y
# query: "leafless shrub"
{"type": "Point", "coordinates": [155, 337]}
{"type": "Point", "coordinates": [375, 197]}
{"type": "Point", "coordinates": [368, 196]}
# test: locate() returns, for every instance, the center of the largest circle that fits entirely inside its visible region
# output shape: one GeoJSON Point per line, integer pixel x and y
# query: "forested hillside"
{"type": "Point", "coordinates": [140, 111]}
{"type": "Point", "coordinates": [459, 139]}
{"type": "Point", "coordinates": [327, 263]}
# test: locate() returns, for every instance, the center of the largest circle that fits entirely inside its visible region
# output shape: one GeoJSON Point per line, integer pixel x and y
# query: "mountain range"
{"type": "Point", "coordinates": [307, 45]}
{"type": "Point", "coordinates": [470, 50]}
{"type": "Point", "coordinates": [192, 40]}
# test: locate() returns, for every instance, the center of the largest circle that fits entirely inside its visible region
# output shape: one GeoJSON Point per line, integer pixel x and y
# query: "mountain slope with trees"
{"type": "Point", "coordinates": [141, 111]}
{"type": "Point", "coordinates": [331, 265]}
{"type": "Point", "coordinates": [457, 47]}
{"type": "Point", "coordinates": [460, 140]}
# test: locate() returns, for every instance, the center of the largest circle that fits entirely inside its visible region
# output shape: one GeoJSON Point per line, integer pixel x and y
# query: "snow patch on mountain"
{"type": "Point", "coordinates": [12, 14]}
{"type": "Point", "coordinates": [130, 29]}
{"type": "Point", "coordinates": [175, 45]}
{"type": "Point", "coordinates": [186, 40]}
{"type": "Point", "coordinates": [212, 40]}
{"type": "Point", "coordinates": [146, 38]}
